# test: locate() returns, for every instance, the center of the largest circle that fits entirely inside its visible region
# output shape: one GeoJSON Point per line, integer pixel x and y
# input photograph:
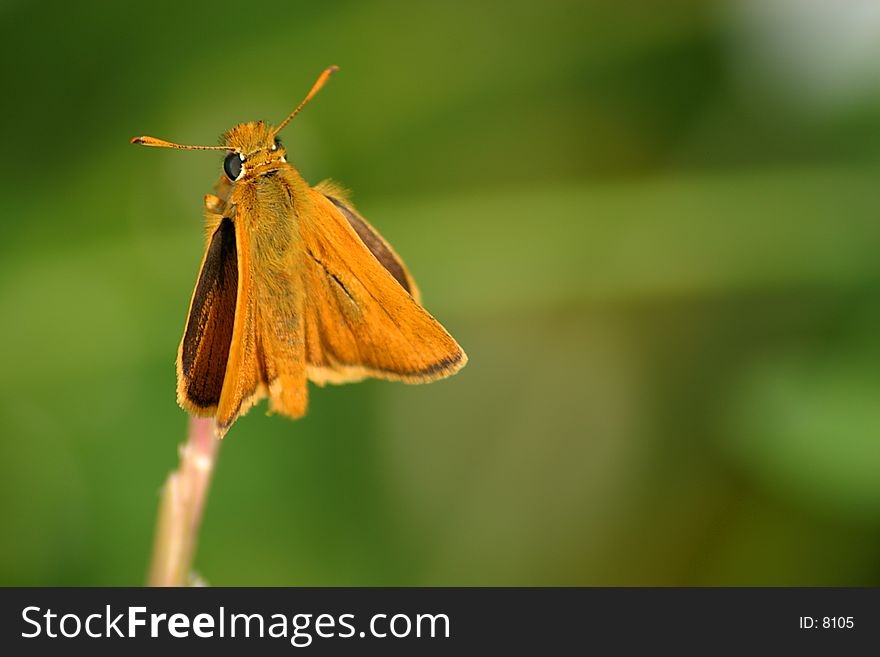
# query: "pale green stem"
{"type": "Point", "coordinates": [182, 505]}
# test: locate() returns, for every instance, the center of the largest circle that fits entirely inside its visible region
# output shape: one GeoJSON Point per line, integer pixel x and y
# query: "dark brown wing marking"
{"type": "Point", "coordinates": [205, 348]}
{"type": "Point", "coordinates": [374, 242]}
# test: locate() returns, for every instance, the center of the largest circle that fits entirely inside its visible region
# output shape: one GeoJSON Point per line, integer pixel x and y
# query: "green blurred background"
{"type": "Point", "coordinates": [654, 230]}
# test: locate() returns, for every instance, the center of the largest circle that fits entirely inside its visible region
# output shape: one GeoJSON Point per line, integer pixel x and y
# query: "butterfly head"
{"type": "Point", "coordinates": [253, 150]}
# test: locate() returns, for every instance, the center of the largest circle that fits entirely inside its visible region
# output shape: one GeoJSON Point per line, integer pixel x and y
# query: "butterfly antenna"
{"type": "Point", "coordinates": [161, 143]}
{"type": "Point", "coordinates": [315, 89]}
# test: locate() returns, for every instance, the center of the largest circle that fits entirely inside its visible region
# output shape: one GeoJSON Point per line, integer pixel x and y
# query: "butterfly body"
{"type": "Point", "coordinates": [294, 286]}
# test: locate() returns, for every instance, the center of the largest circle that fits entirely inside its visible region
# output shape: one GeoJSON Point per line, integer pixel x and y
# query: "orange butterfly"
{"type": "Point", "coordinates": [295, 285]}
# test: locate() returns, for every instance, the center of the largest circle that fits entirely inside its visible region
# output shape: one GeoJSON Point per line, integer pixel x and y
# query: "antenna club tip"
{"type": "Point", "coordinates": [136, 140]}
{"type": "Point", "coordinates": [332, 69]}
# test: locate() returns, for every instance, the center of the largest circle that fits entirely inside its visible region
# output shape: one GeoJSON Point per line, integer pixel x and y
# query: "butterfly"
{"type": "Point", "coordinates": [294, 286]}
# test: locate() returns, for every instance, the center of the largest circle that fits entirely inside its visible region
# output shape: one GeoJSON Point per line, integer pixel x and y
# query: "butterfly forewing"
{"type": "Point", "coordinates": [204, 349]}
{"type": "Point", "coordinates": [243, 383]}
{"type": "Point", "coordinates": [359, 319]}
{"type": "Point", "coordinates": [371, 238]}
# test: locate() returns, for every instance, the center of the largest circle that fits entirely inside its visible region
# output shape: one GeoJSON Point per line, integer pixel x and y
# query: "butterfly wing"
{"type": "Point", "coordinates": [371, 238]}
{"type": "Point", "coordinates": [243, 383]}
{"type": "Point", "coordinates": [360, 319]}
{"type": "Point", "coordinates": [204, 349]}
{"type": "Point", "coordinates": [218, 362]}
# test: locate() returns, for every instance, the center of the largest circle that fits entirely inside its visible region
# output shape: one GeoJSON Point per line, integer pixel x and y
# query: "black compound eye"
{"type": "Point", "coordinates": [232, 166]}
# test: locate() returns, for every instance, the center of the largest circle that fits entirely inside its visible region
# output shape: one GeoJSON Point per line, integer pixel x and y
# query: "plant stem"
{"type": "Point", "coordinates": [182, 505]}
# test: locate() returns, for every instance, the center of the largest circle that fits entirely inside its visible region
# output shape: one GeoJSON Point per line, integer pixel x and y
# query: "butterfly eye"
{"type": "Point", "coordinates": [232, 166]}
{"type": "Point", "coordinates": [275, 145]}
